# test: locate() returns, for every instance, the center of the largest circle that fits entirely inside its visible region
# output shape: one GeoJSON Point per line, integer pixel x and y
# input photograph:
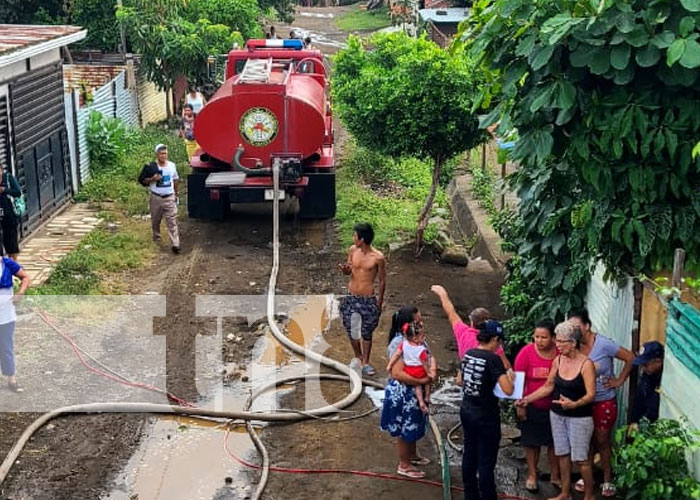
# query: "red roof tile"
{"type": "Point", "coordinates": [16, 36]}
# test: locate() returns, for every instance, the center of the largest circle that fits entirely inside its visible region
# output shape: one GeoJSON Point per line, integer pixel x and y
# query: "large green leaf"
{"type": "Point", "coordinates": [541, 56]}
{"type": "Point", "coordinates": [582, 56]}
{"type": "Point", "coordinates": [625, 22]}
{"type": "Point", "coordinates": [542, 99]}
{"type": "Point", "coordinates": [566, 95]}
{"type": "Point", "coordinates": [647, 56]}
{"type": "Point", "coordinates": [687, 25]}
{"type": "Point", "coordinates": [620, 56]}
{"type": "Point", "coordinates": [691, 5]}
{"type": "Point", "coordinates": [691, 55]}
{"type": "Point", "coordinates": [675, 51]}
{"type": "Point", "coordinates": [600, 62]}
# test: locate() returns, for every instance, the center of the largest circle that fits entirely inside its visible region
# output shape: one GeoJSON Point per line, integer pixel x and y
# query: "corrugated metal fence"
{"type": "Point", "coordinates": [611, 308]}
{"type": "Point", "coordinates": [681, 376]}
{"type": "Point", "coordinates": [113, 99]}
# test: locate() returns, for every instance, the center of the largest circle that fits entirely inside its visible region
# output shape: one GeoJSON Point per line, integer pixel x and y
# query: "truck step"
{"type": "Point", "coordinates": [223, 179]}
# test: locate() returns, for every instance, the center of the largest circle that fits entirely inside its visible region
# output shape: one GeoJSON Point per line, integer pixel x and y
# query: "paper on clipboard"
{"type": "Point", "coordinates": [518, 383]}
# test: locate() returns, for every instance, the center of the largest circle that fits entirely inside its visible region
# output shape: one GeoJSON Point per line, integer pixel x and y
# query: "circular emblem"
{"type": "Point", "coordinates": [258, 126]}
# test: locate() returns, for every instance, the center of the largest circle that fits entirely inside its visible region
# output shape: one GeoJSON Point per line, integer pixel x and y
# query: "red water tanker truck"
{"type": "Point", "coordinates": [273, 107]}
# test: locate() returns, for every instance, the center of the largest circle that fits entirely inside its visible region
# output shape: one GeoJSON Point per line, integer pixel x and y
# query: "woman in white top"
{"type": "Point", "coordinates": [195, 99]}
{"type": "Point", "coordinates": [8, 270]}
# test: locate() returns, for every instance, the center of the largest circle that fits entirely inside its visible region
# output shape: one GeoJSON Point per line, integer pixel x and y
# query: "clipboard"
{"type": "Point", "coordinates": [519, 385]}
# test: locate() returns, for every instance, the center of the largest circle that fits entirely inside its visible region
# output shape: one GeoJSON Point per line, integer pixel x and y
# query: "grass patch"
{"type": "Point", "coordinates": [363, 197]}
{"type": "Point", "coordinates": [363, 20]}
{"type": "Point", "coordinates": [119, 182]}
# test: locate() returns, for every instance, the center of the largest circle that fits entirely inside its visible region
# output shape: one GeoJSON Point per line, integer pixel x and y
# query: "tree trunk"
{"type": "Point", "coordinates": [425, 213]}
{"type": "Point", "coordinates": [174, 98]}
{"type": "Point", "coordinates": [168, 110]}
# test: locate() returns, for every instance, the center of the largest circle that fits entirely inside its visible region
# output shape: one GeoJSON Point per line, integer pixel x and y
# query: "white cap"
{"type": "Point", "coordinates": [161, 146]}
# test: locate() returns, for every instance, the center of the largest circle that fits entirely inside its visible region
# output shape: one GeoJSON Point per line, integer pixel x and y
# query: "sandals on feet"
{"type": "Point", "coordinates": [580, 486]}
{"type": "Point", "coordinates": [412, 473]}
{"type": "Point", "coordinates": [368, 370]}
{"type": "Point", "coordinates": [607, 490]}
{"type": "Point", "coordinates": [14, 387]}
{"type": "Point", "coordinates": [420, 461]}
{"type": "Point", "coordinates": [532, 486]}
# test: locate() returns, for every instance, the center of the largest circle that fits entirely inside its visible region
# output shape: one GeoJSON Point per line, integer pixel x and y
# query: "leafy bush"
{"type": "Point", "coordinates": [650, 463]}
{"type": "Point", "coordinates": [107, 139]}
{"type": "Point", "coordinates": [605, 98]}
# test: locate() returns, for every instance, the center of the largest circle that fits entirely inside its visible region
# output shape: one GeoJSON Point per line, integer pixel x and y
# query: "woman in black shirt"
{"type": "Point", "coordinates": [571, 383]}
{"type": "Point", "coordinates": [9, 221]}
{"type": "Point", "coordinates": [481, 370]}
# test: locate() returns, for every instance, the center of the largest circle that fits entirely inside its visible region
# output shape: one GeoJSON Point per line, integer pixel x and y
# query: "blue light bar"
{"type": "Point", "coordinates": [290, 43]}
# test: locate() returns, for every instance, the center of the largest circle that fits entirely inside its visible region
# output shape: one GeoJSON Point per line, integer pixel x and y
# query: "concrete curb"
{"type": "Point", "coordinates": [472, 219]}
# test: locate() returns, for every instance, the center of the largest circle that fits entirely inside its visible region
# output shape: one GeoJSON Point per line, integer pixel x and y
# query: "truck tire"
{"type": "Point", "coordinates": [318, 201]}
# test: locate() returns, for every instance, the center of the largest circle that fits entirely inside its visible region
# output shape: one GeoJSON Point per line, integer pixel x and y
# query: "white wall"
{"type": "Point", "coordinates": [13, 70]}
{"type": "Point", "coordinates": [45, 58]}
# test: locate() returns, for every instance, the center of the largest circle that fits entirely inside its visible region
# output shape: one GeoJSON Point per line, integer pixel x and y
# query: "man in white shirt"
{"type": "Point", "coordinates": [163, 187]}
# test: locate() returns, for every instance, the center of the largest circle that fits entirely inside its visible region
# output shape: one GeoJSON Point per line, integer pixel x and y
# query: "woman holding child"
{"type": "Point", "coordinates": [402, 417]}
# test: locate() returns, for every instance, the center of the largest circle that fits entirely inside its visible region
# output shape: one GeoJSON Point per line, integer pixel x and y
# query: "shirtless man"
{"type": "Point", "coordinates": [361, 309]}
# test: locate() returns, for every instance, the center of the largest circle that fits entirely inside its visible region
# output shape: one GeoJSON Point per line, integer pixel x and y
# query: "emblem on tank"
{"type": "Point", "coordinates": [258, 126]}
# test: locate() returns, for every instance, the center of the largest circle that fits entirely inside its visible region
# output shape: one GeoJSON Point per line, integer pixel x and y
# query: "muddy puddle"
{"type": "Point", "coordinates": [181, 457]}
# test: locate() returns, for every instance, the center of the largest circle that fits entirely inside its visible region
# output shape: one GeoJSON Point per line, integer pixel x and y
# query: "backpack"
{"type": "Point", "coordinates": [148, 170]}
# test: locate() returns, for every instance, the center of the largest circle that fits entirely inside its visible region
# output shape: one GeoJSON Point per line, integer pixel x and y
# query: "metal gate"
{"type": "Point", "coordinates": [41, 144]}
{"type": "Point", "coordinates": [4, 131]}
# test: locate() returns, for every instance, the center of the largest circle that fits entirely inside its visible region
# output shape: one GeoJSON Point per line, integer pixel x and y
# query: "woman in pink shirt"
{"type": "Point", "coordinates": [535, 360]}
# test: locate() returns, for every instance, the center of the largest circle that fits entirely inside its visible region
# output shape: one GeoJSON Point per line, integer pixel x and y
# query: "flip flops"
{"type": "Point", "coordinates": [14, 387]}
{"type": "Point", "coordinates": [607, 490]}
{"type": "Point", "coordinates": [532, 486]}
{"type": "Point", "coordinates": [580, 486]}
{"type": "Point", "coordinates": [412, 473]}
{"type": "Point", "coordinates": [420, 461]}
{"type": "Point", "coordinates": [368, 370]}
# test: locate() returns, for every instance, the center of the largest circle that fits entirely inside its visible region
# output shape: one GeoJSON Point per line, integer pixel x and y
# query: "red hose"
{"type": "Point", "coordinates": [81, 358]}
{"type": "Point", "coordinates": [362, 473]}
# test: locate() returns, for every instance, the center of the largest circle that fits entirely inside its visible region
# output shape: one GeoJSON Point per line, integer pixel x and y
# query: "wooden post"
{"type": "Point", "coordinates": [483, 158]}
{"type": "Point", "coordinates": [503, 188]}
{"type": "Point", "coordinates": [678, 265]}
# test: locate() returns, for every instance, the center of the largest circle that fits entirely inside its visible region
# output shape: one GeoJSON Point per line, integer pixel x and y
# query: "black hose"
{"type": "Point", "coordinates": [253, 172]}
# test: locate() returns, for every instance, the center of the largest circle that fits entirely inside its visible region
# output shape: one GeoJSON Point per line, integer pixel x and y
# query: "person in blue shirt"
{"type": "Point", "coordinates": [8, 270]}
{"type": "Point", "coordinates": [646, 400]}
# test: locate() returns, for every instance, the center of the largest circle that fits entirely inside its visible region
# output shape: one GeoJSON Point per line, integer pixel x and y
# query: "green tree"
{"type": "Point", "coordinates": [239, 15]}
{"type": "Point", "coordinates": [407, 97]}
{"type": "Point", "coordinates": [606, 99]}
{"type": "Point", "coordinates": [171, 46]}
{"type": "Point", "coordinates": [100, 19]}
{"type": "Point", "coordinates": [30, 11]}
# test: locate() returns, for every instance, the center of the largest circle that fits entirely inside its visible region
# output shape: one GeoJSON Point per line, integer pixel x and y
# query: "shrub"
{"type": "Point", "coordinates": [108, 139]}
{"type": "Point", "coordinates": [650, 463]}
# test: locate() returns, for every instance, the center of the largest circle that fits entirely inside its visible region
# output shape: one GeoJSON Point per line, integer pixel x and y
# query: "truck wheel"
{"type": "Point", "coordinates": [318, 201]}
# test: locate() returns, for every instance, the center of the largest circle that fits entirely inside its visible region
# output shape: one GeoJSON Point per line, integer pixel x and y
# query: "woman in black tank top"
{"type": "Point", "coordinates": [571, 383]}
{"type": "Point", "coordinates": [573, 390]}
